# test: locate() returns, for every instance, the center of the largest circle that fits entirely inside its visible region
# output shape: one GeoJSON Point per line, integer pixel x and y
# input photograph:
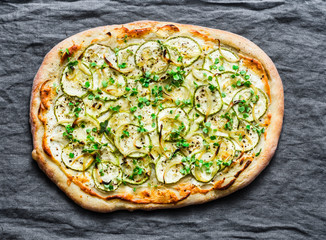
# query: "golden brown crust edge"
{"type": "Point", "coordinates": [87, 201]}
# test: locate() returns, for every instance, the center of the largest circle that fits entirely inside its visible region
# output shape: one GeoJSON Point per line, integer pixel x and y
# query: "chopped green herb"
{"type": "Point", "coordinates": [71, 64]}
{"type": "Point", "coordinates": [116, 108]}
{"type": "Point", "coordinates": [247, 83]}
{"type": "Point", "coordinates": [212, 67]}
{"type": "Point", "coordinates": [125, 133]}
{"type": "Point", "coordinates": [116, 50]}
{"type": "Point", "coordinates": [104, 65]}
{"type": "Point", "coordinates": [104, 83]}
{"type": "Point", "coordinates": [90, 96]}
{"type": "Point", "coordinates": [122, 65]}
{"type": "Point", "coordinates": [257, 154]}
{"type": "Point", "coordinates": [212, 87]}
{"type": "Point", "coordinates": [133, 109]}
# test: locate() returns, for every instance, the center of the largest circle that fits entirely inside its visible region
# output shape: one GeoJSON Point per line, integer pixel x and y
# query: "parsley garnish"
{"type": "Point", "coordinates": [104, 127]}
{"type": "Point", "coordinates": [125, 133]}
{"type": "Point", "coordinates": [87, 84]}
{"type": "Point", "coordinates": [92, 64]}
{"type": "Point", "coordinates": [116, 108]}
{"type": "Point", "coordinates": [257, 154]}
{"type": "Point", "coordinates": [176, 77]}
{"type": "Point", "coordinates": [71, 65]}
{"type": "Point", "coordinates": [104, 83]}
{"type": "Point", "coordinates": [133, 109]}
{"type": "Point", "coordinates": [122, 65]}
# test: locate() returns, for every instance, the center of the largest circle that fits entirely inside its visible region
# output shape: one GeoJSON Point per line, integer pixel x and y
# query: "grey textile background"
{"type": "Point", "coordinates": [287, 201]}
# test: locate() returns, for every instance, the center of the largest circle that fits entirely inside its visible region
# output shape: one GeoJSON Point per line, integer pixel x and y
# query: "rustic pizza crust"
{"type": "Point", "coordinates": [49, 70]}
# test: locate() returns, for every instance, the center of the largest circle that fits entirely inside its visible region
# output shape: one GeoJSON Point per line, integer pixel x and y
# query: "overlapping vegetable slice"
{"type": "Point", "coordinates": [150, 57]}
{"type": "Point", "coordinates": [107, 176]}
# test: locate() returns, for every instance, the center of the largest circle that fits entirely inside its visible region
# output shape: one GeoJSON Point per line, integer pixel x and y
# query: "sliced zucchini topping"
{"type": "Point", "coordinates": [146, 117]}
{"type": "Point", "coordinates": [95, 106]}
{"type": "Point", "coordinates": [110, 84]}
{"type": "Point", "coordinates": [183, 108]}
{"type": "Point", "coordinates": [172, 123]}
{"type": "Point", "coordinates": [205, 166]}
{"type": "Point", "coordinates": [214, 158]}
{"type": "Point", "coordinates": [250, 104]}
{"type": "Point", "coordinates": [194, 143]}
{"type": "Point", "coordinates": [247, 136]}
{"type": "Point", "coordinates": [126, 58]}
{"type": "Point", "coordinates": [117, 119]}
{"type": "Point", "coordinates": [150, 57]}
{"type": "Point", "coordinates": [171, 170]}
{"type": "Point", "coordinates": [135, 170]}
{"type": "Point", "coordinates": [76, 79]}
{"type": "Point", "coordinates": [107, 176]}
{"type": "Point", "coordinates": [224, 121]}
{"type": "Point", "coordinates": [132, 141]}
{"type": "Point", "coordinates": [178, 97]}
{"type": "Point", "coordinates": [204, 77]}
{"type": "Point", "coordinates": [86, 130]}
{"type": "Point", "coordinates": [183, 50]}
{"type": "Point", "coordinates": [74, 157]}
{"type": "Point", "coordinates": [208, 100]}
{"type": "Point", "coordinates": [221, 60]}
{"type": "Point", "coordinates": [67, 109]}
{"type": "Point", "coordinates": [95, 54]}
{"type": "Point", "coordinates": [108, 155]}
{"type": "Point", "coordinates": [226, 153]}
{"type": "Point", "coordinates": [196, 120]}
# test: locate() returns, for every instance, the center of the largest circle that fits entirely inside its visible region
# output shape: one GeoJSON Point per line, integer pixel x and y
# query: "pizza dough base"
{"type": "Point", "coordinates": [50, 66]}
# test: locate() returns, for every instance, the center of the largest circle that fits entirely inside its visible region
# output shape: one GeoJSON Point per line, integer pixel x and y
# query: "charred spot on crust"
{"type": "Point", "coordinates": [46, 148]}
{"type": "Point", "coordinates": [45, 94]}
{"type": "Point", "coordinates": [170, 28]}
{"type": "Point", "coordinates": [109, 34]}
{"type": "Point", "coordinates": [203, 35]}
{"type": "Point", "coordinates": [227, 185]}
{"type": "Point", "coordinates": [139, 32]}
{"type": "Point", "coordinates": [135, 33]}
{"type": "Point", "coordinates": [74, 48]}
{"type": "Point", "coordinates": [146, 194]}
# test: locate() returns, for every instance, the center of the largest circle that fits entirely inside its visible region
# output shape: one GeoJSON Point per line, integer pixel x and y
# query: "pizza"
{"type": "Point", "coordinates": [150, 115]}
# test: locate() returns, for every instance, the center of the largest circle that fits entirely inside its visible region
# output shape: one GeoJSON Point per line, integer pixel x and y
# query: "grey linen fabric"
{"type": "Point", "coordinates": [288, 199]}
